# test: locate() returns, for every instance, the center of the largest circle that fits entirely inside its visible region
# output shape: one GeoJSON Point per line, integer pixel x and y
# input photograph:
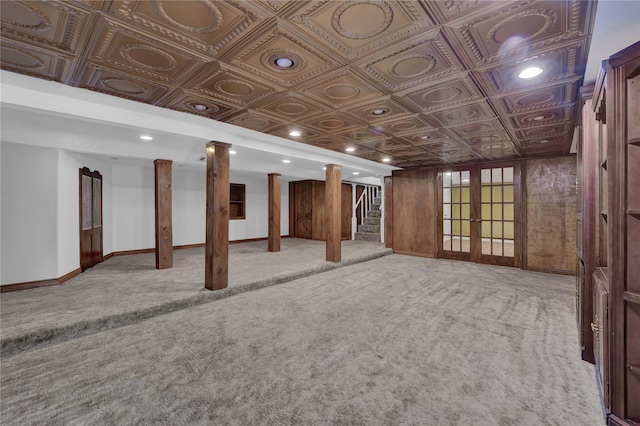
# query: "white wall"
{"type": "Point", "coordinates": [39, 209]}
{"type": "Point", "coordinates": [29, 213]}
{"type": "Point", "coordinates": [133, 207]}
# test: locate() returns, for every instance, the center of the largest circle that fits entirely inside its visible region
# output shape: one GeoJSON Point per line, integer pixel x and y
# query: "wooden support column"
{"type": "Point", "coordinates": [216, 274]}
{"type": "Point", "coordinates": [333, 196]}
{"type": "Point", "coordinates": [274, 211]}
{"type": "Point", "coordinates": [164, 225]}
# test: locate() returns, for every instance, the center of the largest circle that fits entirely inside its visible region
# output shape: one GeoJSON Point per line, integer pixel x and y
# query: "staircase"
{"type": "Point", "coordinates": [369, 230]}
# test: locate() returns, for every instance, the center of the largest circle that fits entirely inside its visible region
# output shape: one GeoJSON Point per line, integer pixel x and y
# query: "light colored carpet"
{"type": "Point", "coordinates": [397, 340]}
{"type": "Point", "coordinates": [127, 289]}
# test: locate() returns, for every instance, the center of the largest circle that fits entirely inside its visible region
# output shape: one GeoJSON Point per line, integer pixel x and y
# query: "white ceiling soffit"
{"type": "Point", "coordinates": [617, 25]}
{"type": "Point", "coordinates": [44, 113]}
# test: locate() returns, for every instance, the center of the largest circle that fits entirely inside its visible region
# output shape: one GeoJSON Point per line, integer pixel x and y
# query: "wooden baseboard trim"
{"type": "Point", "coordinates": [67, 277]}
{"type": "Point", "coordinates": [613, 420]}
{"type": "Point", "coordinates": [28, 285]}
{"type": "Point", "coordinates": [188, 246]}
{"type": "Point", "coordinates": [550, 271]}
{"type": "Point", "coordinates": [41, 283]}
{"type": "Point", "coordinates": [413, 253]}
{"type": "Point", "coordinates": [107, 256]}
{"type": "Point", "coordinates": [128, 252]}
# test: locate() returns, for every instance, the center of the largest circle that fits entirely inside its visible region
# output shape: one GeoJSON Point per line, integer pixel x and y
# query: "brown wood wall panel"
{"type": "Point", "coordinates": [414, 212]}
{"type": "Point", "coordinates": [163, 209]}
{"type": "Point", "coordinates": [551, 214]}
{"type": "Point", "coordinates": [274, 212]}
{"type": "Point", "coordinates": [388, 212]}
{"type": "Point", "coordinates": [318, 217]}
{"type": "Point", "coordinates": [216, 274]}
{"type": "Point", "coordinates": [332, 207]}
{"type": "Point", "coordinates": [307, 210]}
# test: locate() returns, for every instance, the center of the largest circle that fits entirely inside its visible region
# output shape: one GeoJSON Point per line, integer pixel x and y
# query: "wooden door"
{"type": "Point", "coordinates": [90, 218]}
{"type": "Point", "coordinates": [479, 214]}
{"type": "Point", "coordinates": [303, 209]}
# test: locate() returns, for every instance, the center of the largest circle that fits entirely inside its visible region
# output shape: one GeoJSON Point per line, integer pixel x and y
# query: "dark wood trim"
{"type": "Point", "coordinates": [613, 420]}
{"type": "Point", "coordinates": [107, 256]}
{"type": "Point", "coordinates": [66, 277]}
{"type": "Point", "coordinates": [41, 283]}
{"type": "Point", "coordinates": [551, 271]}
{"type": "Point", "coordinates": [188, 246]}
{"type": "Point", "coordinates": [28, 285]}
{"type": "Point", "coordinates": [412, 253]}
{"type": "Point", "coordinates": [138, 251]}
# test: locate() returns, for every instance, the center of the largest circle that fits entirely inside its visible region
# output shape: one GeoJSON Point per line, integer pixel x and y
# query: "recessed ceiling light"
{"type": "Point", "coordinates": [286, 161]}
{"type": "Point", "coordinates": [386, 160]}
{"type": "Point", "coordinates": [378, 111]}
{"type": "Point", "coordinates": [543, 141]}
{"type": "Point", "coordinates": [324, 168]}
{"type": "Point", "coordinates": [283, 62]}
{"type": "Point", "coordinates": [146, 137]}
{"type": "Point", "coordinates": [350, 149]}
{"type": "Point", "coordinates": [295, 133]}
{"type": "Point", "coordinates": [233, 152]}
{"type": "Point", "coordinates": [540, 118]}
{"type": "Point", "coordinates": [201, 107]}
{"type": "Point", "coordinates": [530, 72]}
{"type": "Point", "coordinates": [355, 173]}
{"type": "Point", "coordinates": [425, 137]}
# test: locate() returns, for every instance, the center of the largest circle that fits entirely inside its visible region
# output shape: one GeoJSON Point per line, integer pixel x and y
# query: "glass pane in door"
{"type": "Point", "coordinates": [497, 211]}
{"type": "Point", "coordinates": [456, 207]}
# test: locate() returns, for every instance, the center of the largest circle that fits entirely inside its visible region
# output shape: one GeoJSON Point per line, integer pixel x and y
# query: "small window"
{"type": "Point", "coordinates": [236, 201]}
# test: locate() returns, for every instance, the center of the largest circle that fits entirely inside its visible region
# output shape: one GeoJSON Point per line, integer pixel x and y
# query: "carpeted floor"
{"type": "Point", "coordinates": [396, 340]}
{"type": "Point", "coordinates": [126, 289]}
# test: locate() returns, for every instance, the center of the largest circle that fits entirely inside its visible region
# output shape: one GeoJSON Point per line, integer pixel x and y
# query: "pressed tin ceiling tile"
{"type": "Point", "coordinates": [444, 74]}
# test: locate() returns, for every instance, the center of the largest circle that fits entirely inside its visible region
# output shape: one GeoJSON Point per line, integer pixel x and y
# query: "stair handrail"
{"type": "Point", "coordinates": [366, 200]}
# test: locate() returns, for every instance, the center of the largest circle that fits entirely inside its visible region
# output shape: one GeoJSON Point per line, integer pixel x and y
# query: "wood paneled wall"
{"type": "Point", "coordinates": [550, 214]}
{"type": "Point", "coordinates": [307, 216]}
{"type": "Point", "coordinates": [415, 212]}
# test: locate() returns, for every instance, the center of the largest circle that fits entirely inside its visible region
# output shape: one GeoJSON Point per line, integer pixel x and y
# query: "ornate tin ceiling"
{"type": "Point", "coordinates": [421, 83]}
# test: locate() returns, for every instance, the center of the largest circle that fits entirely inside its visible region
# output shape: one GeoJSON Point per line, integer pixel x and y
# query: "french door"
{"type": "Point", "coordinates": [479, 214]}
{"type": "Point", "coordinates": [90, 218]}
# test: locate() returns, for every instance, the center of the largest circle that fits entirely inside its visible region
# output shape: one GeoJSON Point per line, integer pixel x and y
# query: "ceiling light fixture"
{"type": "Point", "coordinates": [543, 141]}
{"type": "Point", "coordinates": [425, 137]}
{"type": "Point", "coordinates": [530, 72]}
{"type": "Point", "coordinates": [201, 107]}
{"type": "Point", "coordinates": [324, 168]}
{"type": "Point", "coordinates": [355, 173]}
{"type": "Point", "coordinates": [286, 161]}
{"type": "Point", "coordinates": [379, 111]}
{"type": "Point", "coordinates": [233, 152]}
{"type": "Point", "coordinates": [386, 160]}
{"type": "Point", "coordinates": [295, 133]}
{"type": "Point", "coordinates": [283, 62]}
{"type": "Point", "coordinates": [350, 149]}
{"type": "Point", "coordinates": [146, 137]}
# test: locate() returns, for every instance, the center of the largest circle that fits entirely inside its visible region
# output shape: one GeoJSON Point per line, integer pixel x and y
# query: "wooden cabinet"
{"type": "Point", "coordinates": [307, 217]}
{"type": "Point", "coordinates": [610, 225]}
{"type": "Point", "coordinates": [623, 220]}
{"type": "Point", "coordinates": [236, 201]}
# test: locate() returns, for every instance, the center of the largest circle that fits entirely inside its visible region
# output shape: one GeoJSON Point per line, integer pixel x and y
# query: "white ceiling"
{"type": "Point", "coordinates": [617, 26]}
{"type": "Point", "coordinates": [44, 113]}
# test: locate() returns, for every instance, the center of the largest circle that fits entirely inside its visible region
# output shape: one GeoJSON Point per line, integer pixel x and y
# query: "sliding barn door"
{"type": "Point", "coordinates": [90, 218]}
{"type": "Point", "coordinates": [479, 214]}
